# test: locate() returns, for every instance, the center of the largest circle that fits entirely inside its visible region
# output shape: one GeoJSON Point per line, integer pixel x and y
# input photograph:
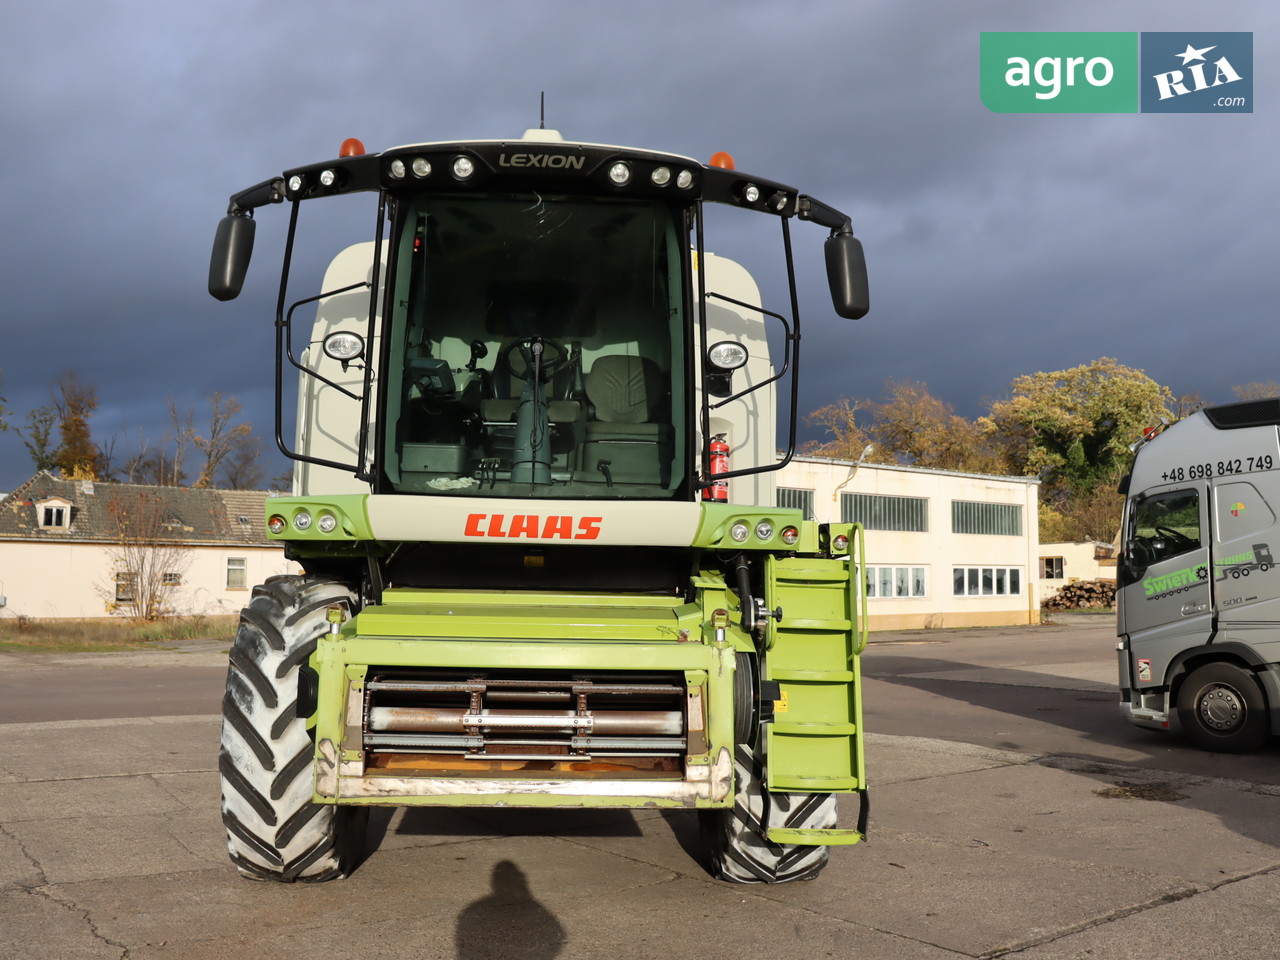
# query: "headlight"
{"type": "Point", "coordinates": [739, 532]}
{"type": "Point", "coordinates": [620, 174]}
{"type": "Point", "coordinates": [421, 167]}
{"type": "Point", "coordinates": [727, 355]}
{"type": "Point", "coordinates": [790, 535]}
{"type": "Point", "coordinates": [276, 524]}
{"type": "Point", "coordinates": [327, 523]}
{"type": "Point", "coordinates": [344, 346]}
{"type": "Point", "coordinates": [302, 520]}
{"type": "Point", "coordinates": [839, 544]}
{"type": "Point", "coordinates": [764, 530]}
{"type": "Point", "coordinates": [463, 168]}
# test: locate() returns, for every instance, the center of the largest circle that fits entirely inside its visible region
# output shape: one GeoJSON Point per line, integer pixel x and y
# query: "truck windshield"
{"type": "Point", "coordinates": [536, 348]}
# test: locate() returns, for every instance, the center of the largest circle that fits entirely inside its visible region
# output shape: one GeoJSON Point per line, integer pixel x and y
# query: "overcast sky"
{"type": "Point", "coordinates": [998, 244]}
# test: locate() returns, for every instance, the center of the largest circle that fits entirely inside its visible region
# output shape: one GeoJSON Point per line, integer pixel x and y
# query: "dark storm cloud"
{"type": "Point", "coordinates": [999, 244]}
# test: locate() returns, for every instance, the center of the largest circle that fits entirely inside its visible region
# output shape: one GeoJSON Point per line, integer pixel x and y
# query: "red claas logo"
{"type": "Point", "coordinates": [532, 526]}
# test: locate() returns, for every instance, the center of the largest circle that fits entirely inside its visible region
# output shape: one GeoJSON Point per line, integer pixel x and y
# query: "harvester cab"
{"type": "Point", "coordinates": [534, 446]}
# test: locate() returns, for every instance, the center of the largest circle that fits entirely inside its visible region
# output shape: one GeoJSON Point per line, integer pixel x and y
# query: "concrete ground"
{"type": "Point", "coordinates": [111, 847]}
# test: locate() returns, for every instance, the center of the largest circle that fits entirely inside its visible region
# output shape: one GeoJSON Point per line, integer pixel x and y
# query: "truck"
{"type": "Point", "coordinates": [1198, 592]}
{"type": "Point", "coordinates": [539, 560]}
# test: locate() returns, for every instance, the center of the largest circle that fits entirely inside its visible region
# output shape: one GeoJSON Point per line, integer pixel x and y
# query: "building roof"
{"type": "Point", "coordinates": [908, 468]}
{"type": "Point", "coordinates": [180, 514]}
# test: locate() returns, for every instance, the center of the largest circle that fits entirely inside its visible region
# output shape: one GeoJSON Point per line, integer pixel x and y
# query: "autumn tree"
{"type": "Point", "coordinates": [75, 400]}
{"type": "Point", "coordinates": [910, 426]}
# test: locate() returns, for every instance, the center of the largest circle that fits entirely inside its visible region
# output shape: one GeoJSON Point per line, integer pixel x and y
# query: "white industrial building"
{"type": "Point", "coordinates": [944, 549]}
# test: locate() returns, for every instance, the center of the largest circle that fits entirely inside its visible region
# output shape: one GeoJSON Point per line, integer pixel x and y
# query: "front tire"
{"type": "Point", "coordinates": [274, 830]}
{"type": "Point", "coordinates": [1222, 708]}
{"type": "Point", "coordinates": [734, 838]}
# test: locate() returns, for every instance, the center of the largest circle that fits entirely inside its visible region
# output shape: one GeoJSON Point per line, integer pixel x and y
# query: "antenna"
{"type": "Point", "coordinates": [542, 110]}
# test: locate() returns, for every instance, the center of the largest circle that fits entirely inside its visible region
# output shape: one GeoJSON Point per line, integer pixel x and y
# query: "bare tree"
{"type": "Point", "coordinates": [37, 437]}
{"type": "Point", "coordinates": [223, 437]}
{"type": "Point", "coordinates": [241, 469]}
{"type": "Point", "coordinates": [149, 559]}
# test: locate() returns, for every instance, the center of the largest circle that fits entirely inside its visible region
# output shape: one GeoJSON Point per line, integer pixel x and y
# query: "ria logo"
{"type": "Point", "coordinates": [1116, 72]}
{"type": "Point", "coordinates": [1197, 73]}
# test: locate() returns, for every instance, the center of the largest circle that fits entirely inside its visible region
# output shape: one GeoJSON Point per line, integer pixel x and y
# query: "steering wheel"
{"type": "Point", "coordinates": [1177, 539]}
{"type": "Point", "coordinates": [518, 357]}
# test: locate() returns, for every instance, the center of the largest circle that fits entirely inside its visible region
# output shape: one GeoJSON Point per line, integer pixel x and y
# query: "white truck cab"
{"type": "Point", "coordinates": [1198, 590]}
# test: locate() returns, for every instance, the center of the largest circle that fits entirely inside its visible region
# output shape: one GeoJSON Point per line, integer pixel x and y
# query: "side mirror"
{"type": "Point", "coordinates": [847, 276]}
{"type": "Point", "coordinates": [229, 262]}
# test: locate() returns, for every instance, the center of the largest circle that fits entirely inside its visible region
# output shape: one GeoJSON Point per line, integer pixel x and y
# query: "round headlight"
{"type": "Point", "coordinates": [620, 174]}
{"type": "Point", "coordinates": [295, 183]}
{"type": "Point", "coordinates": [751, 193]}
{"type": "Point", "coordinates": [661, 176]}
{"type": "Point", "coordinates": [328, 177]}
{"type": "Point", "coordinates": [421, 167]}
{"type": "Point", "coordinates": [790, 535]}
{"type": "Point", "coordinates": [327, 523]}
{"type": "Point", "coordinates": [397, 168]}
{"type": "Point", "coordinates": [463, 168]}
{"type": "Point", "coordinates": [343, 346]}
{"type": "Point", "coordinates": [276, 524]}
{"type": "Point", "coordinates": [840, 544]}
{"type": "Point", "coordinates": [739, 532]}
{"type": "Point", "coordinates": [302, 520]}
{"type": "Point", "coordinates": [727, 355]}
{"type": "Point", "coordinates": [684, 180]}
{"type": "Point", "coordinates": [764, 530]}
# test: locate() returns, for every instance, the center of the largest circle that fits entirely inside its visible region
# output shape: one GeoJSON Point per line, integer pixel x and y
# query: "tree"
{"type": "Point", "coordinates": [149, 561]}
{"type": "Point", "coordinates": [4, 424]}
{"type": "Point", "coordinates": [1257, 390]}
{"type": "Point", "coordinates": [1073, 427]}
{"type": "Point", "coordinates": [223, 437]}
{"type": "Point", "coordinates": [241, 470]}
{"type": "Point", "coordinates": [75, 400]}
{"type": "Point", "coordinates": [910, 426]}
{"type": "Point", "coordinates": [38, 437]}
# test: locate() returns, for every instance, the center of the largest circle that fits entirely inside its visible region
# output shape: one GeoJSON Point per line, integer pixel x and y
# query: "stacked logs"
{"type": "Point", "coordinates": [1083, 595]}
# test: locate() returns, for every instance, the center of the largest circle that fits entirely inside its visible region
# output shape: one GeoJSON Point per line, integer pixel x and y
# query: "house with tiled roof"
{"type": "Point", "coordinates": [79, 549]}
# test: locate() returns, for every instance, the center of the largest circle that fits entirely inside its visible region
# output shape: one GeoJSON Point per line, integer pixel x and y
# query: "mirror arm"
{"type": "Point", "coordinates": [823, 215]}
{"type": "Point", "coordinates": [269, 191]}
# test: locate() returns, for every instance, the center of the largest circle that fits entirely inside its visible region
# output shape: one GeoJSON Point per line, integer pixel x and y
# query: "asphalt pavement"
{"type": "Point", "coordinates": [111, 846]}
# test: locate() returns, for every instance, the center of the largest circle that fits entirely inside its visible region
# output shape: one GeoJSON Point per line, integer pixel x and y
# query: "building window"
{"type": "Point", "coordinates": [796, 500]}
{"type": "Point", "coordinates": [171, 579]}
{"type": "Point", "coordinates": [53, 512]}
{"type": "Point", "coordinates": [237, 573]}
{"type": "Point", "coordinates": [876, 512]}
{"type": "Point", "coordinates": [986, 582]}
{"type": "Point", "coordinates": [1051, 568]}
{"type": "Point", "coordinates": [990, 519]}
{"type": "Point", "coordinates": [885, 582]}
{"type": "Point", "coordinates": [125, 583]}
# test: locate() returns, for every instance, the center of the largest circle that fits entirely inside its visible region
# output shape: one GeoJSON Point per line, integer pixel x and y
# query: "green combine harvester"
{"type": "Point", "coordinates": [533, 499]}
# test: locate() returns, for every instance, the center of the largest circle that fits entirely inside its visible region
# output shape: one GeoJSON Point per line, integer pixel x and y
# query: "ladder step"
{"type": "Point", "coordinates": [812, 676]}
{"type": "Point", "coordinates": [813, 836]}
{"type": "Point", "coordinates": [815, 729]}
{"type": "Point", "coordinates": [795, 623]}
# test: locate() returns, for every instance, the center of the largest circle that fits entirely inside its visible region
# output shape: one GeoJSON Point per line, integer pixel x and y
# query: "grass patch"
{"type": "Point", "coordinates": [89, 636]}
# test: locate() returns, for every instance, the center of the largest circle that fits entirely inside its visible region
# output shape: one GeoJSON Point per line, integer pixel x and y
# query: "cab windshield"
{"type": "Point", "coordinates": [535, 348]}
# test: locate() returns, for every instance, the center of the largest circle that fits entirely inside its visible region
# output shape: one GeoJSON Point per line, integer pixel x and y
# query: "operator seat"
{"type": "Point", "coordinates": [624, 441]}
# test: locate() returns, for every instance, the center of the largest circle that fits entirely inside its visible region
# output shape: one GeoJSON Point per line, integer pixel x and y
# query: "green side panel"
{"type": "Point", "coordinates": [815, 742]}
{"type": "Point", "coordinates": [719, 519]}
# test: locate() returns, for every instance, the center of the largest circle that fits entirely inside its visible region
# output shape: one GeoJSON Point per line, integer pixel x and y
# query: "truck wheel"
{"type": "Point", "coordinates": [734, 837]}
{"type": "Point", "coordinates": [274, 831]}
{"type": "Point", "coordinates": [1222, 708]}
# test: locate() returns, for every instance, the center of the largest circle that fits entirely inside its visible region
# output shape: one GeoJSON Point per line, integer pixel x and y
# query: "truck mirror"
{"type": "Point", "coordinates": [232, 248]}
{"type": "Point", "coordinates": [847, 276]}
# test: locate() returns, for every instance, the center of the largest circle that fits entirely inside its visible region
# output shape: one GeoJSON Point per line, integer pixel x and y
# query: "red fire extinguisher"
{"type": "Point", "coordinates": [719, 490]}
